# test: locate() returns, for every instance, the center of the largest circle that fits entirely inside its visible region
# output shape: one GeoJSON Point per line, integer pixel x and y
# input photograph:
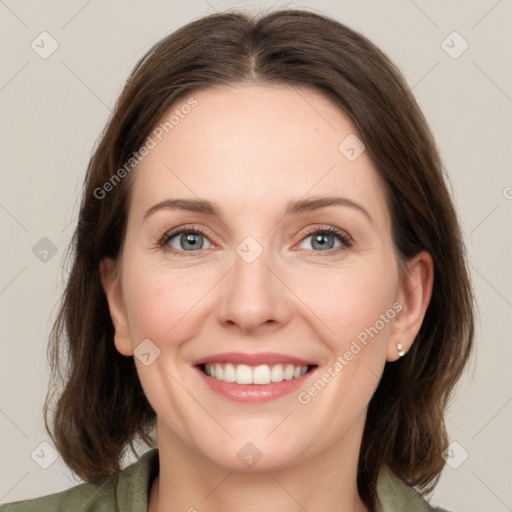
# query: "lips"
{"type": "Point", "coordinates": [268, 358]}
{"type": "Point", "coordinates": [254, 377]}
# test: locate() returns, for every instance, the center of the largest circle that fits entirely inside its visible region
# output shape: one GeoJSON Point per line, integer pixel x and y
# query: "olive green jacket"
{"type": "Point", "coordinates": [127, 491]}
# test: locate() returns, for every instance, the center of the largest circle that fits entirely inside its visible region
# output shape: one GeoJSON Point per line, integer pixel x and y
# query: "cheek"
{"type": "Point", "coordinates": [163, 302]}
{"type": "Point", "coordinates": [354, 311]}
{"type": "Point", "coordinates": [354, 308]}
{"type": "Point", "coordinates": [354, 302]}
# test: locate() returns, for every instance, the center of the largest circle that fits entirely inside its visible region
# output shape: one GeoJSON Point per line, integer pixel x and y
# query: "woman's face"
{"type": "Point", "coordinates": [270, 281]}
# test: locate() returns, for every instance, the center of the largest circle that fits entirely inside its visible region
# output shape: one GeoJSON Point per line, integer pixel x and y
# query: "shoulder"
{"type": "Point", "coordinates": [127, 491]}
{"type": "Point", "coordinates": [84, 497]}
{"type": "Point", "coordinates": [394, 494]}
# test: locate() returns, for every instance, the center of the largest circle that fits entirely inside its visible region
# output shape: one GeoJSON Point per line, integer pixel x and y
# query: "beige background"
{"type": "Point", "coordinates": [53, 110]}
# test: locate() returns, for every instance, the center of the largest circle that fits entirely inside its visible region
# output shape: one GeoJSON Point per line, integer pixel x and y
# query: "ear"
{"type": "Point", "coordinates": [111, 284]}
{"type": "Point", "coordinates": [414, 297]}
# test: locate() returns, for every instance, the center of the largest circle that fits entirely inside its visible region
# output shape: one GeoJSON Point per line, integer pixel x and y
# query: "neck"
{"type": "Point", "coordinates": [188, 481]}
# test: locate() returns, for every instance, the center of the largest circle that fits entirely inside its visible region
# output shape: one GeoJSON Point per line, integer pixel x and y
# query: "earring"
{"type": "Point", "coordinates": [400, 349]}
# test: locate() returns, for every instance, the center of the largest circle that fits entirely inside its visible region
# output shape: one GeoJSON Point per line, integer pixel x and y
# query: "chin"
{"type": "Point", "coordinates": [243, 455]}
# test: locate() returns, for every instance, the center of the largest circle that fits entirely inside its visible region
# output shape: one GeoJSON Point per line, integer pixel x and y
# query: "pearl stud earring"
{"type": "Point", "coordinates": [400, 349]}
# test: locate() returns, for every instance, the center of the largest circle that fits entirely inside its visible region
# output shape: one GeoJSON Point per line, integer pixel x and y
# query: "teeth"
{"type": "Point", "coordinates": [243, 374]}
{"type": "Point", "coordinates": [276, 373]}
{"type": "Point", "coordinates": [229, 373]}
{"type": "Point", "coordinates": [288, 372]}
{"type": "Point", "coordinates": [262, 374]}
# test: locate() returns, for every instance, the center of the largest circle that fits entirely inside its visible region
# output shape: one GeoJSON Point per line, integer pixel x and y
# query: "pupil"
{"type": "Point", "coordinates": [321, 239]}
{"type": "Point", "coordinates": [191, 238]}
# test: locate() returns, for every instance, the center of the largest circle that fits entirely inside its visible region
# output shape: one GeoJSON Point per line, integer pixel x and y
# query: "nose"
{"type": "Point", "coordinates": [253, 296]}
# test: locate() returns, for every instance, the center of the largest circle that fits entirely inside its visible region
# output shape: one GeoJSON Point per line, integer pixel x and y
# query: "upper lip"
{"type": "Point", "coordinates": [268, 358]}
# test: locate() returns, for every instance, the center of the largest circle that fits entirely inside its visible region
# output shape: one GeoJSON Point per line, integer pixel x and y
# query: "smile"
{"type": "Point", "coordinates": [261, 374]}
{"type": "Point", "coordinates": [256, 377]}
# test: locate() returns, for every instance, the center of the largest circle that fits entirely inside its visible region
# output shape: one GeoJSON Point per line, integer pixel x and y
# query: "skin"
{"type": "Point", "coordinates": [250, 149]}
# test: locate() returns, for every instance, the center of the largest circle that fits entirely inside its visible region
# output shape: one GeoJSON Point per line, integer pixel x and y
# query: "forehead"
{"type": "Point", "coordinates": [249, 145]}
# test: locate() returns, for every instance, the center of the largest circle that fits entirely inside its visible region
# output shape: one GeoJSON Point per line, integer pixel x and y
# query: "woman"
{"type": "Point", "coordinates": [268, 268]}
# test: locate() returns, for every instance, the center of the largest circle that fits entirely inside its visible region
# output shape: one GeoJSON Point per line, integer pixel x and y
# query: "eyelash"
{"type": "Point", "coordinates": [343, 237]}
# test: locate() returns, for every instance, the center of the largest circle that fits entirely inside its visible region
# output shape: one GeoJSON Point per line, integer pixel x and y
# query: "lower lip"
{"type": "Point", "coordinates": [254, 393]}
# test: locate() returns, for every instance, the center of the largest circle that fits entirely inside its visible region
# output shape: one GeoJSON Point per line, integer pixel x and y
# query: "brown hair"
{"type": "Point", "coordinates": [102, 408]}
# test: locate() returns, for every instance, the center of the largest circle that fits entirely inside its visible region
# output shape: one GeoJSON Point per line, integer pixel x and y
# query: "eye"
{"type": "Point", "coordinates": [192, 240]}
{"type": "Point", "coordinates": [324, 240]}
{"type": "Point", "coordinates": [185, 240]}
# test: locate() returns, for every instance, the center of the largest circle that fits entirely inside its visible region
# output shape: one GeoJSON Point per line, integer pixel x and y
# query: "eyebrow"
{"type": "Point", "coordinates": [292, 207]}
